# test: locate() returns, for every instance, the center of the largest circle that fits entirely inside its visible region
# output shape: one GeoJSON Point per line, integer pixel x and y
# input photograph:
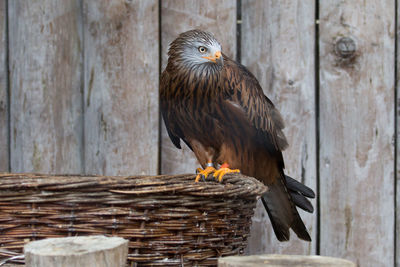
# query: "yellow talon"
{"type": "Point", "coordinates": [200, 172]}
{"type": "Point", "coordinates": [222, 171]}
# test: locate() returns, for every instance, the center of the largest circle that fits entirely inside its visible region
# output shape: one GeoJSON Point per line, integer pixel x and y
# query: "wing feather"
{"type": "Point", "coordinates": [172, 129]}
{"type": "Point", "coordinates": [244, 92]}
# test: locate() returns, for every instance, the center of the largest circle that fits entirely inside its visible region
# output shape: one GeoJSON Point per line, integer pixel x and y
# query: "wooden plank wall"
{"type": "Point", "coordinates": [80, 79]}
{"type": "Point", "coordinates": [45, 86]}
{"type": "Point", "coordinates": [121, 86]}
{"type": "Point", "coordinates": [284, 65]}
{"type": "Point", "coordinates": [397, 143]}
{"type": "Point", "coordinates": [357, 131]}
{"type": "Point", "coordinates": [4, 144]}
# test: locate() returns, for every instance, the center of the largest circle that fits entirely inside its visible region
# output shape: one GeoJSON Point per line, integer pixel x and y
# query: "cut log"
{"type": "Point", "coordinates": [282, 261]}
{"type": "Point", "coordinates": [88, 251]}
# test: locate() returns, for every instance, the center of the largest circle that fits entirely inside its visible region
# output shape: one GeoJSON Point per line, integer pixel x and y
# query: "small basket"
{"type": "Point", "coordinates": [168, 220]}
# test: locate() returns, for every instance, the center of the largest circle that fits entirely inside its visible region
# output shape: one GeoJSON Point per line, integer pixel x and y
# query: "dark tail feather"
{"type": "Point", "coordinates": [294, 185]}
{"type": "Point", "coordinates": [301, 201]}
{"type": "Point", "coordinates": [282, 212]}
{"type": "Point", "coordinates": [299, 193]}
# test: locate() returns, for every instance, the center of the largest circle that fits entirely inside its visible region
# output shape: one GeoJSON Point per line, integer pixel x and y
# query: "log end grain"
{"type": "Point", "coordinates": [87, 251]}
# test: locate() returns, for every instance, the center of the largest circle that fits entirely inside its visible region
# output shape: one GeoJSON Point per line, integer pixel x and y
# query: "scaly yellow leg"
{"type": "Point", "coordinates": [224, 169]}
{"type": "Point", "coordinates": [204, 173]}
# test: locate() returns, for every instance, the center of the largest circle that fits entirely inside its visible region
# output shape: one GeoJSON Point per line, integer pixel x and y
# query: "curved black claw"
{"type": "Point", "coordinates": [203, 174]}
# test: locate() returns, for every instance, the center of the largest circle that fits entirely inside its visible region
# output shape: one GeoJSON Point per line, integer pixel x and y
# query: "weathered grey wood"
{"type": "Point", "coordinates": [282, 261]}
{"type": "Point", "coordinates": [4, 145]}
{"type": "Point", "coordinates": [278, 48]}
{"type": "Point", "coordinates": [357, 130]}
{"type": "Point", "coordinates": [45, 84]}
{"type": "Point", "coordinates": [397, 163]}
{"type": "Point", "coordinates": [121, 86]}
{"type": "Point", "coordinates": [88, 251]}
{"type": "Point", "coordinates": [177, 16]}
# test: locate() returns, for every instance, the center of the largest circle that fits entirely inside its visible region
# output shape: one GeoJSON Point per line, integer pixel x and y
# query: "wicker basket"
{"type": "Point", "coordinates": [169, 220]}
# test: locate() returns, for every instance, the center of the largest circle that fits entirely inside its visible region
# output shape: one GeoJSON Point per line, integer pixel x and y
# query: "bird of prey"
{"type": "Point", "coordinates": [217, 107]}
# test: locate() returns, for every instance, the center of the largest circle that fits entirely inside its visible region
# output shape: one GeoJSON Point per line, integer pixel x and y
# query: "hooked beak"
{"type": "Point", "coordinates": [216, 58]}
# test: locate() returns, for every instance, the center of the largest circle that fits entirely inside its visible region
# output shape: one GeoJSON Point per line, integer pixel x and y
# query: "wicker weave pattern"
{"type": "Point", "coordinates": [169, 220]}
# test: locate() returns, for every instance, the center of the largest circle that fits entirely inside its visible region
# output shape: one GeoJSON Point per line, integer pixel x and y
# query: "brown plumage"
{"type": "Point", "coordinates": [217, 107]}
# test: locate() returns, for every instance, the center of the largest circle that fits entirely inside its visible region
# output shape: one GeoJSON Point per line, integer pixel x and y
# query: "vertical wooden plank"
{"type": "Point", "coordinates": [45, 83]}
{"type": "Point", "coordinates": [121, 86]}
{"type": "Point", "coordinates": [397, 141]}
{"type": "Point", "coordinates": [177, 16]}
{"type": "Point", "coordinates": [278, 40]}
{"type": "Point", "coordinates": [4, 145]}
{"type": "Point", "coordinates": [357, 130]}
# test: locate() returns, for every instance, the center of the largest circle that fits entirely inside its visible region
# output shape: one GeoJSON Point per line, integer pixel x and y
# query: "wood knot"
{"type": "Point", "coordinates": [345, 47]}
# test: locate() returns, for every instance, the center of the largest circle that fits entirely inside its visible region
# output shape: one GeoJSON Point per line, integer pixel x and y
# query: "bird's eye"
{"type": "Point", "coordinates": [202, 49]}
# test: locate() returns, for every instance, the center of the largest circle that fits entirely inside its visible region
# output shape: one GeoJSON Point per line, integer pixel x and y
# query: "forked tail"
{"type": "Point", "coordinates": [282, 211]}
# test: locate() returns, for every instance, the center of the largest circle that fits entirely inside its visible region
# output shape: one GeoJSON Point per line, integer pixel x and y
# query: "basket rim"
{"type": "Point", "coordinates": [233, 185]}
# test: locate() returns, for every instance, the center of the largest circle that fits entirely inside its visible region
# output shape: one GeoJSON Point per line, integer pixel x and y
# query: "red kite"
{"type": "Point", "coordinates": [217, 107]}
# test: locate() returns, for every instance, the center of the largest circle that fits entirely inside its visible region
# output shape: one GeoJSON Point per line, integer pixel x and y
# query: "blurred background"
{"type": "Point", "coordinates": [79, 94]}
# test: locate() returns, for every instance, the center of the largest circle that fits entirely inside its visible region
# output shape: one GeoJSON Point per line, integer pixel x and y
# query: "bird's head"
{"type": "Point", "coordinates": [196, 50]}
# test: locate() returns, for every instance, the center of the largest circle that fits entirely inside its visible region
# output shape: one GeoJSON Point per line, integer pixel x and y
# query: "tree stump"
{"type": "Point", "coordinates": [88, 251]}
{"type": "Point", "coordinates": [283, 261]}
